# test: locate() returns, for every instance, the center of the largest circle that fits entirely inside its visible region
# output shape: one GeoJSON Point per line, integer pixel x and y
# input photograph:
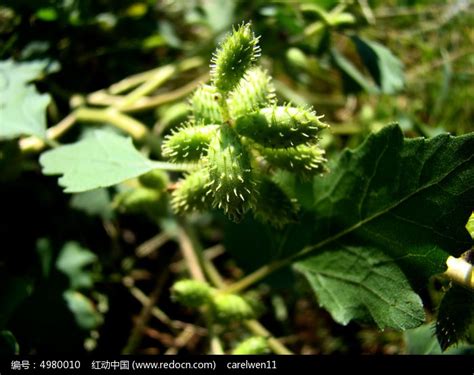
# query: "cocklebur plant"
{"type": "Point", "coordinates": [386, 219]}
{"type": "Point", "coordinates": [238, 137]}
{"type": "Point", "coordinates": [148, 197]}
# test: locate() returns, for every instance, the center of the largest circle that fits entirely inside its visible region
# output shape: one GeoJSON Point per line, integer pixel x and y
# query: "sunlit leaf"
{"type": "Point", "coordinates": [363, 283]}
{"type": "Point", "coordinates": [22, 107]}
{"type": "Point", "coordinates": [406, 199]}
{"type": "Point", "coordinates": [101, 160]}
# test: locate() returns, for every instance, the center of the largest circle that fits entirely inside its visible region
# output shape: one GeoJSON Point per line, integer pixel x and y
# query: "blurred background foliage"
{"type": "Point", "coordinates": [74, 271]}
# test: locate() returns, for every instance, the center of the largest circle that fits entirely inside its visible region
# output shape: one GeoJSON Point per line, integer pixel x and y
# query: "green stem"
{"type": "Point", "coordinates": [207, 266]}
{"type": "Point", "coordinates": [157, 100]}
{"type": "Point", "coordinates": [159, 314]}
{"type": "Point", "coordinates": [192, 254]}
{"type": "Point", "coordinates": [214, 341]}
{"type": "Point", "coordinates": [129, 125]}
{"type": "Point", "coordinates": [158, 78]}
{"type": "Point", "coordinates": [315, 27]}
{"type": "Point", "coordinates": [253, 325]}
{"type": "Point", "coordinates": [173, 167]}
{"type": "Point", "coordinates": [257, 275]}
{"type": "Point", "coordinates": [267, 269]}
{"type": "Point", "coordinates": [273, 343]}
{"type": "Point", "coordinates": [224, 108]}
{"type": "Point", "coordinates": [147, 87]}
{"type": "Point", "coordinates": [137, 79]}
{"type": "Point", "coordinates": [35, 144]}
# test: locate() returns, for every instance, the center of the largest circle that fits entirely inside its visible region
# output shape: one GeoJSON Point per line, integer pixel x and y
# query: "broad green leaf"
{"type": "Point", "coordinates": [363, 283]}
{"type": "Point", "coordinates": [383, 66]}
{"type": "Point", "coordinates": [408, 199]}
{"type": "Point", "coordinates": [351, 73]}
{"type": "Point", "coordinates": [455, 316]}
{"type": "Point", "coordinates": [101, 160]}
{"type": "Point", "coordinates": [22, 108]}
{"type": "Point", "coordinates": [73, 261]}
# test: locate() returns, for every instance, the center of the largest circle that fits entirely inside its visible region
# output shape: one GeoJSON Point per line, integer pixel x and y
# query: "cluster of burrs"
{"type": "Point", "coordinates": [238, 138]}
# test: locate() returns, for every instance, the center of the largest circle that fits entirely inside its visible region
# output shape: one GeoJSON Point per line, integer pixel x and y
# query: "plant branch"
{"type": "Point", "coordinates": [207, 266]}
{"type": "Point", "coordinates": [129, 82]}
{"type": "Point", "coordinates": [183, 338]}
{"type": "Point", "coordinates": [146, 82]}
{"type": "Point", "coordinates": [156, 80]}
{"type": "Point", "coordinates": [157, 312]}
{"type": "Point", "coordinates": [253, 325]}
{"type": "Point", "coordinates": [258, 275]}
{"type": "Point", "coordinates": [275, 345]}
{"type": "Point", "coordinates": [190, 255]}
{"type": "Point", "coordinates": [214, 341]}
{"type": "Point", "coordinates": [137, 79]}
{"type": "Point", "coordinates": [135, 128]}
{"type": "Point", "coordinates": [157, 100]}
{"type": "Point", "coordinates": [152, 244]}
{"type": "Point", "coordinates": [141, 322]}
{"type": "Point", "coordinates": [35, 144]}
